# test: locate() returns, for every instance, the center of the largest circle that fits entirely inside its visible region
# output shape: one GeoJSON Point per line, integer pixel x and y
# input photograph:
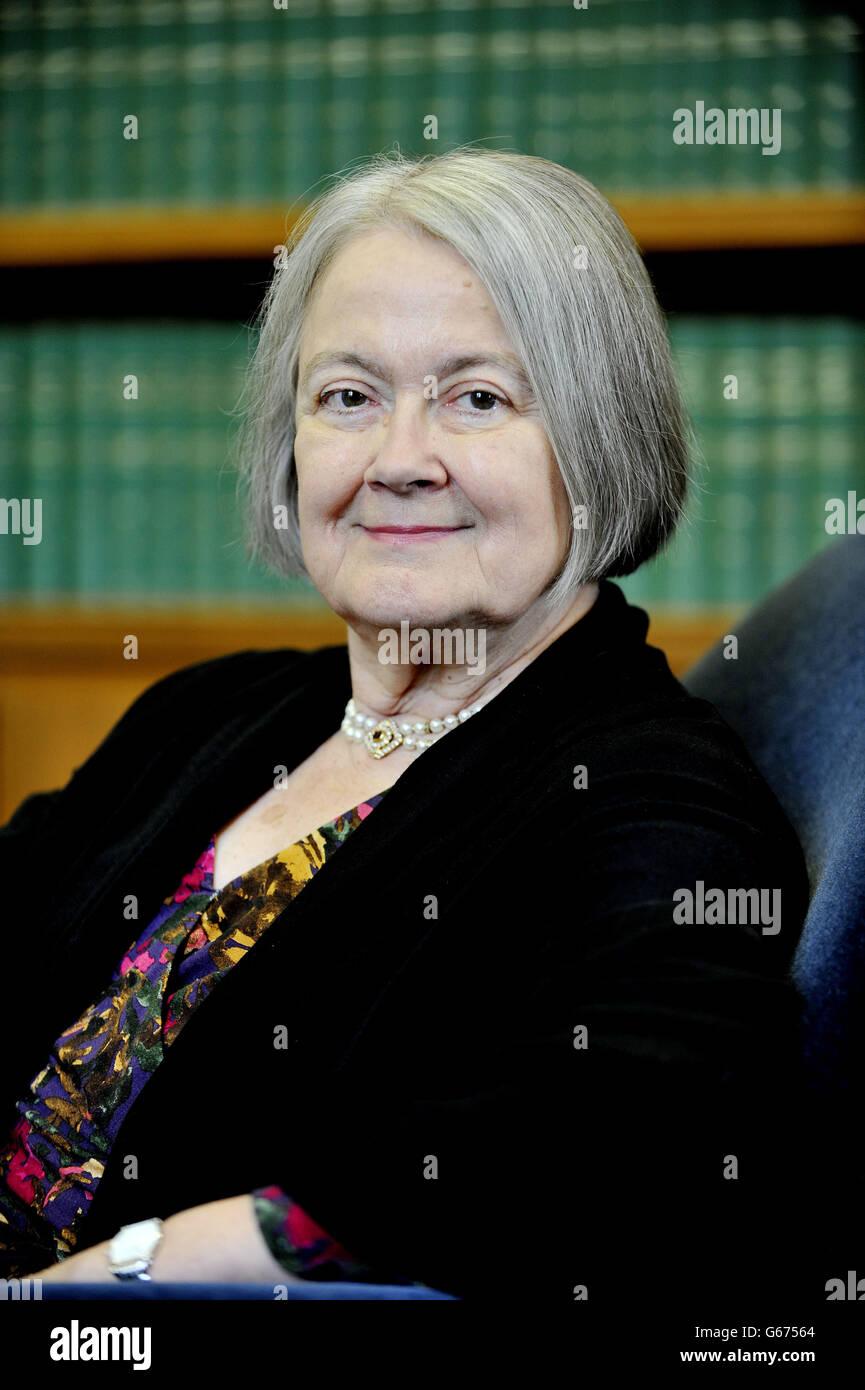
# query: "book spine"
{"type": "Point", "coordinates": [836, 102]}
{"type": "Point", "coordinates": [95, 378]}
{"type": "Point", "coordinates": [509, 84]}
{"type": "Point", "coordinates": [167, 352]}
{"type": "Point", "coordinates": [20, 107]}
{"type": "Point", "coordinates": [790, 450]}
{"type": "Point", "coordinates": [231, 571]}
{"type": "Point", "coordinates": [130, 528]}
{"type": "Point", "coordinates": [735, 377]}
{"type": "Point", "coordinates": [684, 571]}
{"type": "Point", "coordinates": [52, 460]}
{"type": "Point", "coordinates": [301, 75]}
{"type": "Point", "coordinates": [840, 445]}
{"type": "Point", "coordinates": [20, 515]}
{"type": "Point", "coordinates": [111, 100]}
{"type": "Point", "coordinates": [666, 95]}
{"type": "Point", "coordinates": [252, 123]}
{"type": "Point", "coordinates": [60, 124]}
{"type": "Point", "coordinates": [160, 84]}
{"type": "Point", "coordinates": [350, 90]}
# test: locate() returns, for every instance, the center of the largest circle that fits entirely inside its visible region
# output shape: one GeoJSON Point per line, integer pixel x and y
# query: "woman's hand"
{"type": "Point", "coordinates": [218, 1242]}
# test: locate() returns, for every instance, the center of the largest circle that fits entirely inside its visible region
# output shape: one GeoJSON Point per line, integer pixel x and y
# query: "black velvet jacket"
{"type": "Point", "coordinates": [434, 1110]}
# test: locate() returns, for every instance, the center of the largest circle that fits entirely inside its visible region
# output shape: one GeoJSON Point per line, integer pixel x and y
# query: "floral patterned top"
{"type": "Point", "coordinates": [56, 1154]}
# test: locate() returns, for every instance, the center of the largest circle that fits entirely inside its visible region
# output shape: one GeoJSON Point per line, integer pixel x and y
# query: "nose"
{"type": "Point", "coordinates": [404, 447]}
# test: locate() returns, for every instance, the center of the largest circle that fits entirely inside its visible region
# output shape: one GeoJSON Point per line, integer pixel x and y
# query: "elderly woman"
{"type": "Point", "coordinates": [518, 1024]}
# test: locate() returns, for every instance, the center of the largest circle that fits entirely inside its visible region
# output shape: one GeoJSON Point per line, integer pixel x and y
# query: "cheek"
{"type": "Point", "coordinates": [324, 495]}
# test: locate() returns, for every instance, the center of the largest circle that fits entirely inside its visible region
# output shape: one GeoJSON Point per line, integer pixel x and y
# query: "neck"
{"type": "Point", "coordinates": [429, 691]}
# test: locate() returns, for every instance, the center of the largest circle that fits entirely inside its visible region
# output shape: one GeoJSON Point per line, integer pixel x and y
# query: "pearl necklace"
{"type": "Point", "coordinates": [382, 736]}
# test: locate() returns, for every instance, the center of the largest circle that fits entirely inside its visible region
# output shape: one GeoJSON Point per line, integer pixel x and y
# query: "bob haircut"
{"type": "Point", "coordinates": [576, 300]}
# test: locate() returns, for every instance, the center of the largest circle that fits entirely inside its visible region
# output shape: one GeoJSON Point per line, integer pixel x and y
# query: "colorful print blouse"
{"type": "Point", "coordinates": [58, 1149]}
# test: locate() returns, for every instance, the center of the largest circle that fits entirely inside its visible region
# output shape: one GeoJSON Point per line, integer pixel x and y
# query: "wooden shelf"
{"type": "Point", "coordinates": [60, 638]}
{"type": "Point", "coordinates": [64, 681]}
{"type": "Point", "coordinates": [745, 220]}
{"type": "Point", "coordinates": [64, 638]}
{"type": "Point", "coordinates": [84, 235]}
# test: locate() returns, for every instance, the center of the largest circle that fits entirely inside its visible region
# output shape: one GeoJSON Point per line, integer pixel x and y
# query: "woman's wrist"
{"type": "Point", "coordinates": [218, 1242]}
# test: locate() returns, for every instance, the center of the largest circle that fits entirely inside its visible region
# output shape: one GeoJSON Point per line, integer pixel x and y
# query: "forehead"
{"type": "Point", "coordinates": [381, 245]}
{"type": "Point", "coordinates": [385, 275]}
{"type": "Point", "coordinates": [389, 270]}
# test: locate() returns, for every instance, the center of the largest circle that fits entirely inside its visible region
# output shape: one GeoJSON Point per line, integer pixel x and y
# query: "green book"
{"type": "Point", "coordinates": [837, 472]}
{"type": "Point", "coordinates": [20, 514]}
{"type": "Point", "coordinates": [130, 516]}
{"type": "Point", "coordinates": [507, 93]}
{"type": "Point", "coordinates": [20, 104]}
{"type": "Point", "coordinates": [60, 125]}
{"type": "Point", "coordinates": [436, 75]}
{"type": "Point", "coordinates": [790, 449]}
{"type": "Point", "coordinates": [551, 47]}
{"type": "Point", "coordinates": [839, 355]}
{"type": "Point", "coordinates": [232, 576]}
{"type": "Point", "coordinates": [111, 99]}
{"type": "Point", "coordinates": [94, 373]}
{"type": "Point", "coordinates": [667, 162]}
{"type": "Point", "coordinates": [300, 61]}
{"type": "Point", "coordinates": [202, 445]}
{"type": "Point", "coordinates": [216, 360]}
{"type": "Point", "coordinates": [165, 350]}
{"type": "Point", "coordinates": [836, 95]}
{"type": "Point", "coordinates": [352, 83]}
{"type": "Point", "coordinates": [159, 54]}
{"type": "Point", "coordinates": [686, 576]}
{"type": "Point", "coordinates": [738, 365]}
{"type": "Point", "coordinates": [50, 566]}
{"type": "Point", "coordinates": [252, 117]}
{"type": "Point", "coordinates": [789, 80]}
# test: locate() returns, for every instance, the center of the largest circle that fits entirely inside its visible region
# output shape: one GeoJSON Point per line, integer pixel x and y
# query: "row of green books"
{"type": "Point", "coordinates": [255, 101]}
{"type": "Point", "coordinates": [778, 409]}
{"type": "Point", "coordinates": [122, 433]}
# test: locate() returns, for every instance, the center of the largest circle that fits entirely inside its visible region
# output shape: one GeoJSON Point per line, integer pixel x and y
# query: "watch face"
{"type": "Point", "coordinates": [132, 1247]}
{"type": "Point", "coordinates": [126, 1246]}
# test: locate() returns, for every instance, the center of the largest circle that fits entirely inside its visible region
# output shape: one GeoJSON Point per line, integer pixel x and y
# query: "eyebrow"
{"type": "Point", "coordinates": [448, 367]}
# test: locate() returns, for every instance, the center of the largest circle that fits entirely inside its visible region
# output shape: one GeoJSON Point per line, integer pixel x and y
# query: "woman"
{"type": "Point", "coordinates": [500, 1033]}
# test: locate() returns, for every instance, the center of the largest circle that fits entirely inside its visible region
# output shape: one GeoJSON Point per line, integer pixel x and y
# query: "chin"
{"type": "Point", "coordinates": [385, 600]}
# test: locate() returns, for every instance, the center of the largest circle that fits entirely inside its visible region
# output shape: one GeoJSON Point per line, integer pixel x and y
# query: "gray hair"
{"type": "Point", "coordinates": [592, 342]}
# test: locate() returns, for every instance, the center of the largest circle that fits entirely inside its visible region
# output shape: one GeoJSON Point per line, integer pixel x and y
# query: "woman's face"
{"type": "Point", "coordinates": [392, 431]}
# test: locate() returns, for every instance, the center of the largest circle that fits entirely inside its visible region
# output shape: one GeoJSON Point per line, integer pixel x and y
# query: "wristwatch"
{"type": "Point", "coordinates": [130, 1252]}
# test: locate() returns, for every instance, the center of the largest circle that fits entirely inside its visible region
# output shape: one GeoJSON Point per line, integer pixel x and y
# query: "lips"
{"type": "Point", "coordinates": [410, 530]}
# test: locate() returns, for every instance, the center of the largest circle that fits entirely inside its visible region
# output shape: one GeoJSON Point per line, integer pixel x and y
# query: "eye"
{"type": "Point", "coordinates": [341, 391]}
{"type": "Point", "coordinates": [490, 395]}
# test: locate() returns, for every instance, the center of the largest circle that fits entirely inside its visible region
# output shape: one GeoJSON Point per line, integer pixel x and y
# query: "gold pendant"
{"type": "Point", "coordinates": [383, 739]}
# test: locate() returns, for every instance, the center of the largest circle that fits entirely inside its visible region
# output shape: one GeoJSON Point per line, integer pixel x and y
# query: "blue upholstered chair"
{"type": "Point", "coordinates": [796, 696]}
{"type": "Point", "coordinates": [308, 1290]}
